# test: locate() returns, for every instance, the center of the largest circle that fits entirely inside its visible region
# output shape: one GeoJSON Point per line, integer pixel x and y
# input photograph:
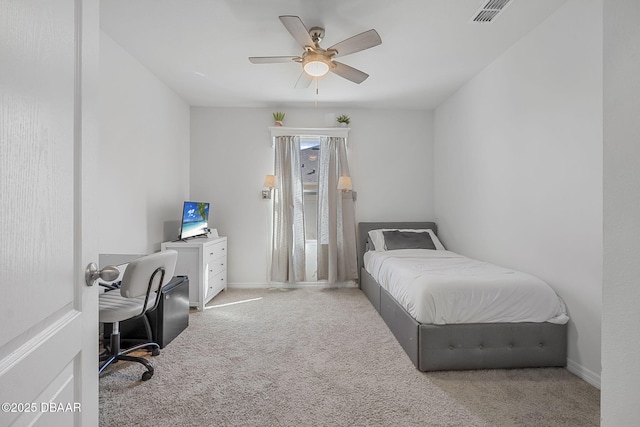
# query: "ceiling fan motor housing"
{"type": "Point", "coordinates": [317, 34]}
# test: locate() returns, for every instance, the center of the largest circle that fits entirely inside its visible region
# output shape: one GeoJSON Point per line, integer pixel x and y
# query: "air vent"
{"type": "Point", "coordinates": [489, 11]}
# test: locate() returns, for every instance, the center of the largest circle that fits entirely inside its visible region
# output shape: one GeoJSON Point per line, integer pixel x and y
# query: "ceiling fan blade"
{"type": "Point", "coordinates": [303, 81]}
{"type": "Point", "coordinates": [357, 43]}
{"type": "Point", "coordinates": [348, 72]}
{"type": "Point", "coordinates": [273, 59]}
{"type": "Point", "coordinates": [294, 25]}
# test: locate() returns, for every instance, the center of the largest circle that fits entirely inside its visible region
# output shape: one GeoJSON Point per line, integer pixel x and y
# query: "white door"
{"type": "Point", "coordinates": [48, 147]}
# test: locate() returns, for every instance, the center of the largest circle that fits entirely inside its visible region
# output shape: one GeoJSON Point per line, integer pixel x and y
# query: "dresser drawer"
{"type": "Point", "coordinates": [215, 251]}
{"type": "Point", "coordinates": [216, 266]}
{"type": "Point", "coordinates": [217, 283]}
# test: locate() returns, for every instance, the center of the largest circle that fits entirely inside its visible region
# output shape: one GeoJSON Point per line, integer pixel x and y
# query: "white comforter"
{"type": "Point", "coordinates": [442, 287]}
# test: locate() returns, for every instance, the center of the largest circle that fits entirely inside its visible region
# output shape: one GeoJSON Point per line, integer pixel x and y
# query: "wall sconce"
{"type": "Point", "coordinates": [269, 185]}
{"type": "Point", "coordinates": [344, 184]}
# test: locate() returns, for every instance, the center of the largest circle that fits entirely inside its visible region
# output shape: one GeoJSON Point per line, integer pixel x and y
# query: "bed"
{"type": "Point", "coordinates": [439, 343]}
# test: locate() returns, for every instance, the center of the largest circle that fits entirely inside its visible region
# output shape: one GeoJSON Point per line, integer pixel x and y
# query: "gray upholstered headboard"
{"type": "Point", "coordinates": [364, 227]}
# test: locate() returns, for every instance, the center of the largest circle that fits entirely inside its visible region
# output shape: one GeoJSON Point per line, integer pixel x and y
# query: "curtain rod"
{"type": "Point", "coordinates": [287, 131]}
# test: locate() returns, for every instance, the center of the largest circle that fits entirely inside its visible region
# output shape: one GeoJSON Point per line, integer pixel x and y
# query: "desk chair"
{"type": "Point", "coordinates": [141, 283]}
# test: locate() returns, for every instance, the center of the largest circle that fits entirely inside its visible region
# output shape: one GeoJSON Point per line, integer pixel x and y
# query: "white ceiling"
{"type": "Point", "coordinates": [429, 47]}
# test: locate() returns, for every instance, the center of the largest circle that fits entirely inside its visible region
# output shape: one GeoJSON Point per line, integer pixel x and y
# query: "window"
{"type": "Point", "coordinates": [298, 253]}
{"type": "Point", "coordinates": [309, 158]}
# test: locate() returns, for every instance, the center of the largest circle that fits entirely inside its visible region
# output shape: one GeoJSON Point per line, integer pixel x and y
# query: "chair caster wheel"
{"type": "Point", "coordinates": [155, 351]}
{"type": "Point", "coordinates": [147, 376]}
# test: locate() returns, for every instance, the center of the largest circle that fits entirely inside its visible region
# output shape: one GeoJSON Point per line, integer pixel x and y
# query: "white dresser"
{"type": "Point", "coordinates": [204, 260]}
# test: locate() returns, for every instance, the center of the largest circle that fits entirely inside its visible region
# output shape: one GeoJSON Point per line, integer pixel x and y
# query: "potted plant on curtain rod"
{"type": "Point", "coordinates": [343, 120]}
{"type": "Point", "coordinates": [278, 117]}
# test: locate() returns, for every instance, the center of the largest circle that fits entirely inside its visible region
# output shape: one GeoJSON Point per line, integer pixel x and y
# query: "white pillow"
{"type": "Point", "coordinates": [377, 238]}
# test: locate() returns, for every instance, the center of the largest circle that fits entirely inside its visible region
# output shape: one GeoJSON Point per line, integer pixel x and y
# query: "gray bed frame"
{"type": "Point", "coordinates": [463, 346]}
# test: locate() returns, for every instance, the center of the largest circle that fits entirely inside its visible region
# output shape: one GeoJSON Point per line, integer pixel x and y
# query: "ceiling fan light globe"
{"type": "Point", "coordinates": [316, 68]}
{"type": "Point", "coordinates": [315, 65]}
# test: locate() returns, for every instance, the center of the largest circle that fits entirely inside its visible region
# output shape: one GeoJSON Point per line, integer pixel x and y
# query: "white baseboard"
{"type": "Point", "coordinates": [264, 285]}
{"type": "Point", "coordinates": [584, 373]}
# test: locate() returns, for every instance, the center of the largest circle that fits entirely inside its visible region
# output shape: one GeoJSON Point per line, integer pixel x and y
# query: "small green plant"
{"type": "Point", "coordinates": [278, 116]}
{"type": "Point", "coordinates": [343, 118]}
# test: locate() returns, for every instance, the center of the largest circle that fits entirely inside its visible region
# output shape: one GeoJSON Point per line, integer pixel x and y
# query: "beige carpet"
{"type": "Point", "coordinates": [324, 357]}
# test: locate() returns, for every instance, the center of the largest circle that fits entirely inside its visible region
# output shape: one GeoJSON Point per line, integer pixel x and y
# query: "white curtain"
{"type": "Point", "coordinates": [288, 258]}
{"type": "Point", "coordinates": [337, 257]}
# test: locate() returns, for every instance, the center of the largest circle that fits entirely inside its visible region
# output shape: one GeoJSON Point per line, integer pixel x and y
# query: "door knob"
{"type": "Point", "coordinates": [108, 274]}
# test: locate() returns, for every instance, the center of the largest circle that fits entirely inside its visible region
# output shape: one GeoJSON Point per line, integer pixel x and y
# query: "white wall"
{"type": "Point", "coordinates": [144, 154]}
{"type": "Point", "coordinates": [621, 296]}
{"type": "Point", "coordinates": [390, 160]}
{"type": "Point", "coordinates": [518, 167]}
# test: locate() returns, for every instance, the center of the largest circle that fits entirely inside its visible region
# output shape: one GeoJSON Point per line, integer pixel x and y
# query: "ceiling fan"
{"type": "Point", "coordinates": [316, 61]}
